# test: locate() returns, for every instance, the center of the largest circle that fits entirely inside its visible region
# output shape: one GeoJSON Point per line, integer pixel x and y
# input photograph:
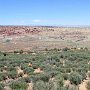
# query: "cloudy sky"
{"type": "Point", "coordinates": [44, 12]}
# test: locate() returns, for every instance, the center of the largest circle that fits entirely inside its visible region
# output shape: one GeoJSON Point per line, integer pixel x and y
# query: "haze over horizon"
{"type": "Point", "coordinates": [45, 12]}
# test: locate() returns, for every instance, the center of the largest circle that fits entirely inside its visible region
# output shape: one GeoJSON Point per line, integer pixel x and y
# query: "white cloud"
{"type": "Point", "coordinates": [37, 21]}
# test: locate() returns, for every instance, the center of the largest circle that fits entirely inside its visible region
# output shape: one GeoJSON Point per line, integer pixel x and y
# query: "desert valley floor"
{"type": "Point", "coordinates": [42, 37]}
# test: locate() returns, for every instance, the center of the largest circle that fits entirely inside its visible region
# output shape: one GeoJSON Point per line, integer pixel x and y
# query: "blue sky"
{"type": "Point", "coordinates": [44, 12]}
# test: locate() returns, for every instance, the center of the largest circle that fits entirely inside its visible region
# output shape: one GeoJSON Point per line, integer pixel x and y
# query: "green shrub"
{"type": "Point", "coordinates": [23, 66]}
{"type": "Point", "coordinates": [88, 85]}
{"type": "Point", "coordinates": [16, 51]}
{"type": "Point", "coordinates": [12, 74]}
{"type": "Point", "coordinates": [35, 66]}
{"type": "Point", "coordinates": [66, 49]}
{"type": "Point", "coordinates": [65, 76]}
{"type": "Point", "coordinates": [52, 85]}
{"type": "Point", "coordinates": [40, 85]}
{"type": "Point", "coordinates": [11, 68]}
{"type": "Point", "coordinates": [71, 87]}
{"type": "Point", "coordinates": [68, 70]}
{"type": "Point", "coordinates": [61, 56]}
{"type": "Point", "coordinates": [83, 74]}
{"type": "Point", "coordinates": [2, 86]}
{"type": "Point", "coordinates": [4, 54]}
{"type": "Point", "coordinates": [53, 73]}
{"type": "Point", "coordinates": [21, 51]}
{"type": "Point", "coordinates": [75, 78]}
{"type": "Point", "coordinates": [16, 85]}
{"type": "Point", "coordinates": [43, 77]}
{"type": "Point", "coordinates": [89, 74]}
{"type": "Point", "coordinates": [59, 80]}
{"type": "Point", "coordinates": [27, 79]}
{"type": "Point", "coordinates": [3, 76]}
{"type": "Point", "coordinates": [28, 70]}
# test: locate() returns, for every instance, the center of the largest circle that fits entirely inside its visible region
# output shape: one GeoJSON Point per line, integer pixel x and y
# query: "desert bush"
{"type": "Point", "coordinates": [40, 85]}
{"type": "Point", "coordinates": [74, 69]}
{"type": "Point", "coordinates": [83, 74]}
{"type": "Point", "coordinates": [65, 76]}
{"type": "Point", "coordinates": [21, 51]}
{"type": "Point", "coordinates": [65, 49]}
{"type": "Point", "coordinates": [29, 52]}
{"type": "Point", "coordinates": [0, 52]}
{"type": "Point", "coordinates": [61, 70]}
{"type": "Point", "coordinates": [60, 83]}
{"type": "Point", "coordinates": [71, 87]}
{"type": "Point", "coordinates": [68, 70]}
{"type": "Point", "coordinates": [42, 77]}
{"type": "Point", "coordinates": [5, 54]}
{"type": "Point", "coordinates": [46, 49]}
{"type": "Point", "coordinates": [89, 66]}
{"type": "Point", "coordinates": [88, 85]}
{"type": "Point", "coordinates": [52, 85]}
{"type": "Point", "coordinates": [55, 58]}
{"type": "Point", "coordinates": [61, 56]}
{"type": "Point", "coordinates": [12, 74]}
{"type": "Point", "coordinates": [23, 66]}
{"type": "Point", "coordinates": [79, 70]}
{"type": "Point", "coordinates": [3, 76]}
{"type": "Point", "coordinates": [27, 79]}
{"type": "Point", "coordinates": [11, 68]}
{"type": "Point", "coordinates": [28, 70]}
{"type": "Point", "coordinates": [72, 58]}
{"type": "Point", "coordinates": [2, 86]}
{"type": "Point", "coordinates": [16, 51]}
{"type": "Point", "coordinates": [35, 66]}
{"type": "Point", "coordinates": [75, 78]}
{"type": "Point", "coordinates": [53, 73]}
{"type": "Point", "coordinates": [89, 74]}
{"type": "Point", "coordinates": [17, 85]}
{"type": "Point", "coordinates": [59, 80]}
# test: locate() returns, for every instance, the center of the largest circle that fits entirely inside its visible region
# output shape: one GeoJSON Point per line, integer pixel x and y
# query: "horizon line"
{"type": "Point", "coordinates": [50, 25]}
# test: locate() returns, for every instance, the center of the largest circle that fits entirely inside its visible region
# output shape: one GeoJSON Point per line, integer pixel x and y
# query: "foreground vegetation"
{"type": "Point", "coordinates": [45, 70]}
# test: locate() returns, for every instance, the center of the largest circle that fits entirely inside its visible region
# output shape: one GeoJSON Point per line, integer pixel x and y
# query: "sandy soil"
{"type": "Point", "coordinates": [30, 87]}
{"type": "Point", "coordinates": [83, 85]}
{"type": "Point", "coordinates": [38, 70]}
